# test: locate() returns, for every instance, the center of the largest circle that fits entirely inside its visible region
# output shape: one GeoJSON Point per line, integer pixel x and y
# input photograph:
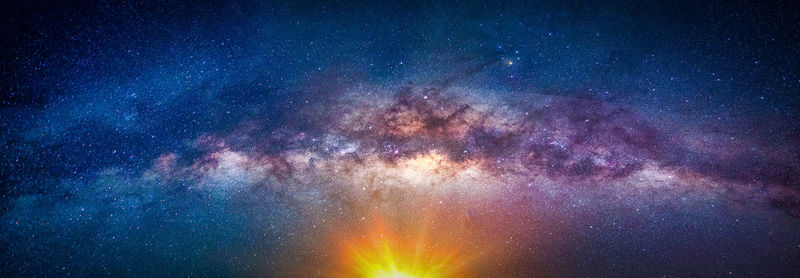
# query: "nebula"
{"type": "Point", "coordinates": [434, 163]}
{"type": "Point", "coordinates": [399, 139]}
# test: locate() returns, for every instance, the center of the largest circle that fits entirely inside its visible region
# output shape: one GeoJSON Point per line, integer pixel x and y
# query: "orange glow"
{"type": "Point", "coordinates": [380, 253]}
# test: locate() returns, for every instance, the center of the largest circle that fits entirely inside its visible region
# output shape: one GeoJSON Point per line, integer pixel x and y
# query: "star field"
{"type": "Point", "coordinates": [311, 139]}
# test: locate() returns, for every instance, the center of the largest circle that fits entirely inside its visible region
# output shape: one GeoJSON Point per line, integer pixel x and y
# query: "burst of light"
{"type": "Point", "coordinates": [381, 254]}
{"type": "Point", "coordinates": [394, 275]}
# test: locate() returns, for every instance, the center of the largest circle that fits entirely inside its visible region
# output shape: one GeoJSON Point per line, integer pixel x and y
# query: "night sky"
{"type": "Point", "coordinates": [369, 139]}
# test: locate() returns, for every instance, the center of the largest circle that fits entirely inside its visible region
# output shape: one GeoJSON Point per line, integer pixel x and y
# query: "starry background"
{"type": "Point", "coordinates": [628, 138]}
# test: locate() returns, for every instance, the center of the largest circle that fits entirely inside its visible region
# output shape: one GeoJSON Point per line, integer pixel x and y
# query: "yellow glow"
{"type": "Point", "coordinates": [395, 275]}
{"type": "Point", "coordinates": [379, 254]}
